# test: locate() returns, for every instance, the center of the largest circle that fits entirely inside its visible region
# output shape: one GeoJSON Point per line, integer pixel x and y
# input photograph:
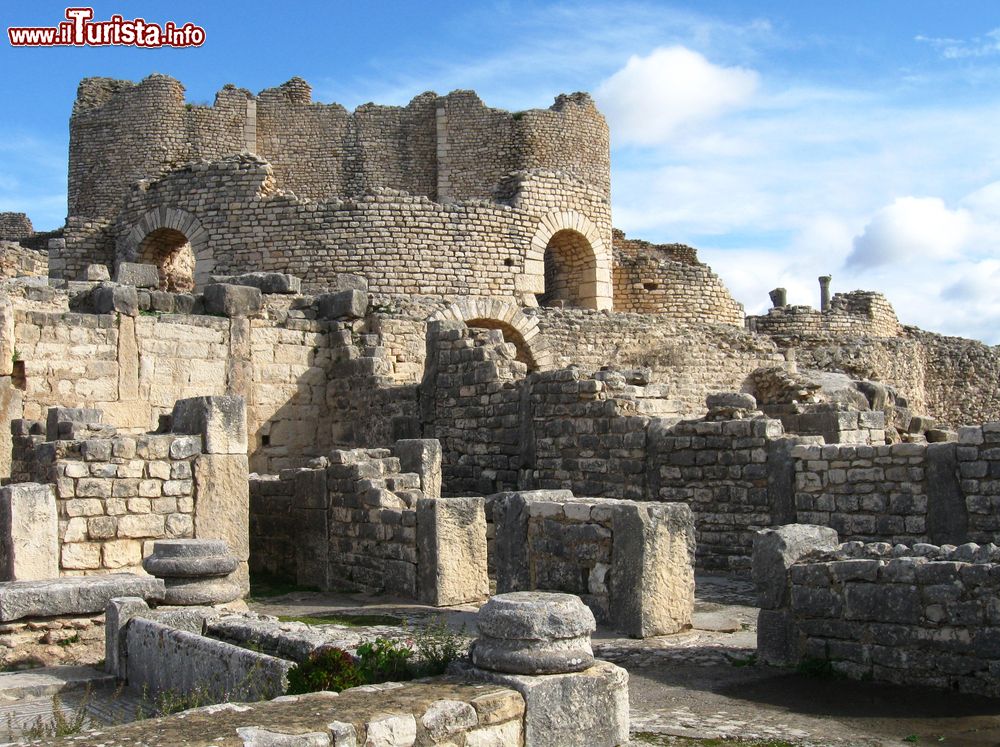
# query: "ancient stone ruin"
{"type": "Point", "coordinates": [402, 351]}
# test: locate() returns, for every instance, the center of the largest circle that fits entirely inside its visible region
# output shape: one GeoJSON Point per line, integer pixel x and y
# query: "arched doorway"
{"type": "Point", "coordinates": [175, 241]}
{"type": "Point", "coordinates": [568, 263]}
{"type": "Point", "coordinates": [492, 313]}
{"type": "Point", "coordinates": [171, 252]}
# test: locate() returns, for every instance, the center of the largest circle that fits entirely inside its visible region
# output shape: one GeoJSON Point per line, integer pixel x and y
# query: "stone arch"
{"type": "Point", "coordinates": [517, 328]}
{"type": "Point", "coordinates": [568, 261]}
{"type": "Point", "coordinates": [160, 234]}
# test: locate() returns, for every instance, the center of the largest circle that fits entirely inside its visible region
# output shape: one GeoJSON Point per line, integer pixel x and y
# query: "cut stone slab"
{"type": "Point", "coordinates": [97, 273]}
{"type": "Point", "coordinates": [266, 282]}
{"type": "Point", "coordinates": [75, 595]}
{"type": "Point", "coordinates": [423, 457]}
{"type": "Point", "coordinates": [451, 544]}
{"type": "Point", "coordinates": [137, 274]}
{"type": "Point", "coordinates": [221, 419]}
{"type": "Point", "coordinates": [29, 532]}
{"type": "Point", "coordinates": [345, 304]}
{"type": "Point", "coordinates": [232, 300]}
{"type": "Point", "coordinates": [716, 622]}
{"type": "Point", "coordinates": [730, 401]}
{"type": "Point", "coordinates": [588, 708]}
{"type": "Point", "coordinates": [46, 681]}
{"type": "Point", "coordinates": [776, 550]}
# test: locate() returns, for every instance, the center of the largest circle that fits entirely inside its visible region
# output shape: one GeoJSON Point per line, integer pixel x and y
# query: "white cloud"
{"type": "Point", "coordinates": [955, 49]}
{"type": "Point", "coordinates": [911, 229]}
{"type": "Point", "coordinates": [652, 97]}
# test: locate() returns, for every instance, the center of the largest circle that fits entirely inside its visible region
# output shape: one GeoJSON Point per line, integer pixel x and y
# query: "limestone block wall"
{"type": "Point", "coordinates": [445, 147]}
{"type": "Point", "coordinates": [922, 615]}
{"type": "Point", "coordinates": [668, 279]}
{"type": "Point", "coordinates": [866, 493]}
{"type": "Point", "coordinates": [734, 475]}
{"type": "Point", "coordinates": [15, 226]}
{"type": "Point", "coordinates": [309, 384]}
{"type": "Point", "coordinates": [688, 360]}
{"type": "Point", "coordinates": [121, 132]}
{"type": "Point", "coordinates": [403, 244]}
{"type": "Point", "coordinates": [360, 522]}
{"type": "Point", "coordinates": [854, 313]}
{"type": "Point", "coordinates": [470, 402]}
{"type": "Point", "coordinates": [17, 261]}
{"type": "Point", "coordinates": [588, 434]}
{"type": "Point", "coordinates": [631, 563]}
{"type": "Point", "coordinates": [115, 495]}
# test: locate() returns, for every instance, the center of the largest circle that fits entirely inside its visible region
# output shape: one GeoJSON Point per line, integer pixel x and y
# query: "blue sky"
{"type": "Point", "coordinates": [785, 140]}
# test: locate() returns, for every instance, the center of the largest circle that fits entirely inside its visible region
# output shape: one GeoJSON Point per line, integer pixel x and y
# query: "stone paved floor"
{"type": "Point", "coordinates": [702, 684]}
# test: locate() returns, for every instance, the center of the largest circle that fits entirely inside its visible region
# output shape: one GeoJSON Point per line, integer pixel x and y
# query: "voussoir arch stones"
{"type": "Point", "coordinates": [596, 292]}
{"type": "Point", "coordinates": [179, 220]}
{"type": "Point", "coordinates": [517, 327]}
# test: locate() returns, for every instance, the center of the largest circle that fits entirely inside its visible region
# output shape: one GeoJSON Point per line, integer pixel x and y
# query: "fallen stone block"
{"type": "Point", "coordinates": [232, 300]}
{"type": "Point", "coordinates": [73, 595]}
{"type": "Point", "coordinates": [97, 273]}
{"type": "Point", "coordinates": [266, 282]}
{"type": "Point", "coordinates": [109, 298]}
{"type": "Point", "coordinates": [346, 304]}
{"type": "Point", "coordinates": [137, 274]}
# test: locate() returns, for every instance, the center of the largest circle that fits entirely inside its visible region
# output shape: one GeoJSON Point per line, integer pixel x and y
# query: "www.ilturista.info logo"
{"type": "Point", "coordinates": [79, 30]}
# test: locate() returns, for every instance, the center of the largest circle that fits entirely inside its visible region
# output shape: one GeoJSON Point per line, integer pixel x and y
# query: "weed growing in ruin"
{"type": "Point", "coordinates": [383, 660]}
{"type": "Point", "coordinates": [67, 642]}
{"type": "Point", "coordinates": [437, 646]}
{"type": "Point", "coordinates": [326, 669]}
{"type": "Point", "coordinates": [60, 724]}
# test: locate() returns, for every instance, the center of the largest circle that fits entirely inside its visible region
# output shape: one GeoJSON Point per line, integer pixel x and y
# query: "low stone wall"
{"type": "Point", "coordinates": [867, 493]}
{"type": "Point", "coordinates": [734, 474]}
{"type": "Point", "coordinates": [920, 615]}
{"type": "Point", "coordinates": [117, 493]}
{"type": "Point", "coordinates": [631, 563]}
{"type": "Point", "coordinates": [17, 261]}
{"type": "Point", "coordinates": [358, 521]}
{"type": "Point", "coordinates": [445, 711]}
{"type": "Point", "coordinates": [165, 659]}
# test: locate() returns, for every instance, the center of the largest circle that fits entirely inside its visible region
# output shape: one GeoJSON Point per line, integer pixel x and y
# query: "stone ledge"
{"type": "Point", "coordinates": [78, 595]}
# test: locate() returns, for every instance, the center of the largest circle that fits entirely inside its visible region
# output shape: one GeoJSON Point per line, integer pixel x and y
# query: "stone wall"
{"type": "Point", "coordinates": [445, 147]}
{"type": "Point", "coordinates": [689, 360]}
{"type": "Point", "coordinates": [15, 226]}
{"type": "Point", "coordinates": [668, 279]}
{"type": "Point", "coordinates": [855, 313]}
{"type": "Point", "coordinates": [17, 261]}
{"type": "Point", "coordinates": [360, 522]}
{"type": "Point", "coordinates": [403, 244]}
{"type": "Point", "coordinates": [631, 563]}
{"type": "Point", "coordinates": [309, 384]}
{"type": "Point", "coordinates": [920, 615]}
{"type": "Point", "coordinates": [866, 493]}
{"type": "Point", "coordinates": [114, 495]}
